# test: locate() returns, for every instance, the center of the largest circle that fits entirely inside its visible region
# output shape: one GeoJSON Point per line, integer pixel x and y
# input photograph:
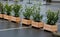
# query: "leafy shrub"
{"type": "Point", "coordinates": [36, 15]}
{"type": "Point", "coordinates": [16, 9]}
{"type": "Point", "coordinates": [8, 9]}
{"type": "Point", "coordinates": [1, 8]}
{"type": "Point", "coordinates": [52, 17]}
{"type": "Point", "coordinates": [28, 12]}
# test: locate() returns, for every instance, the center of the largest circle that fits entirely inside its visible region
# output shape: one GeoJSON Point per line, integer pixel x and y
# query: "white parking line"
{"type": "Point", "coordinates": [13, 28]}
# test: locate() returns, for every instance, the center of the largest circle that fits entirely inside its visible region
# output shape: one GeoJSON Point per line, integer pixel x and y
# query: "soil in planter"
{"type": "Point", "coordinates": [26, 19]}
{"type": "Point", "coordinates": [50, 24]}
{"type": "Point", "coordinates": [26, 24]}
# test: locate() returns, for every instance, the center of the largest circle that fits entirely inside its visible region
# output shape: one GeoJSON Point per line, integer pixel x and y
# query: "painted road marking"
{"type": "Point", "coordinates": [13, 28]}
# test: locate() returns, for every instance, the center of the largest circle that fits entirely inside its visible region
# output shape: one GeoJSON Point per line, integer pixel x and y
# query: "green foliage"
{"type": "Point", "coordinates": [16, 9]}
{"type": "Point", "coordinates": [52, 17]}
{"type": "Point", "coordinates": [28, 12]}
{"type": "Point", "coordinates": [1, 8]}
{"type": "Point", "coordinates": [36, 15]}
{"type": "Point", "coordinates": [8, 9]}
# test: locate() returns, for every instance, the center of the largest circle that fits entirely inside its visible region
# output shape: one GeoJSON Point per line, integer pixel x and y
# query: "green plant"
{"type": "Point", "coordinates": [1, 8]}
{"type": "Point", "coordinates": [52, 17]}
{"type": "Point", "coordinates": [16, 9]}
{"type": "Point", "coordinates": [8, 9]}
{"type": "Point", "coordinates": [36, 15]}
{"type": "Point", "coordinates": [28, 12]}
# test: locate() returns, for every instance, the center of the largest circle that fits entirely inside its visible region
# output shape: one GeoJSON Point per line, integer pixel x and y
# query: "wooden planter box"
{"type": "Point", "coordinates": [7, 17]}
{"type": "Point", "coordinates": [52, 28]}
{"type": "Point", "coordinates": [15, 19]}
{"type": "Point", "coordinates": [37, 24]}
{"type": "Point", "coordinates": [26, 22]}
{"type": "Point", "coordinates": [1, 15]}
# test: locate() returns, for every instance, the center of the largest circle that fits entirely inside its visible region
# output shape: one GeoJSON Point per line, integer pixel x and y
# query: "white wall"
{"type": "Point", "coordinates": [55, 0]}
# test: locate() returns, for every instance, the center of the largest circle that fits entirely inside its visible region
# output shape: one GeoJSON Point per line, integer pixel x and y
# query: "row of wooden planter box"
{"type": "Point", "coordinates": [10, 18]}
{"type": "Point", "coordinates": [52, 28]}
